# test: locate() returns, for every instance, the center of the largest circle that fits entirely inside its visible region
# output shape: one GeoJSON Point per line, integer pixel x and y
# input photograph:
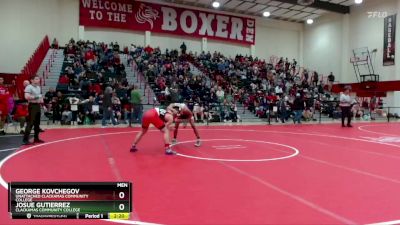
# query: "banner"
{"type": "Point", "coordinates": [143, 16]}
{"type": "Point", "coordinates": [389, 40]}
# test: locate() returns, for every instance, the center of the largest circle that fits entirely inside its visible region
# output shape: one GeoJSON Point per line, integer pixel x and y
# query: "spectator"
{"type": "Point", "coordinates": [4, 95]}
{"type": "Point", "coordinates": [57, 106]}
{"type": "Point", "coordinates": [198, 110]}
{"type": "Point", "coordinates": [149, 50]}
{"type": "Point", "coordinates": [54, 44]}
{"type": "Point", "coordinates": [331, 80]}
{"type": "Point", "coordinates": [94, 89]}
{"type": "Point", "coordinates": [298, 108]}
{"type": "Point", "coordinates": [49, 95]}
{"type": "Point", "coordinates": [107, 108]}
{"type": "Point", "coordinates": [315, 79]}
{"type": "Point", "coordinates": [21, 113]}
{"type": "Point", "coordinates": [220, 94]}
{"type": "Point", "coordinates": [345, 105]}
{"type": "Point", "coordinates": [137, 107]}
{"type": "Point", "coordinates": [119, 69]}
{"type": "Point", "coordinates": [183, 48]}
{"type": "Point", "coordinates": [74, 102]}
{"type": "Point", "coordinates": [308, 112]}
{"type": "Point", "coordinates": [132, 50]}
{"type": "Point", "coordinates": [64, 80]}
{"type": "Point", "coordinates": [66, 115]}
{"type": "Point", "coordinates": [116, 47]}
{"type": "Point", "coordinates": [10, 104]}
{"type": "Point", "coordinates": [278, 90]}
{"type": "Point", "coordinates": [161, 82]}
{"type": "Point", "coordinates": [116, 106]}
{"type": "Point", "coordinates": [282, 109]}
{"type": "Point", "coordinates": [88, 106]}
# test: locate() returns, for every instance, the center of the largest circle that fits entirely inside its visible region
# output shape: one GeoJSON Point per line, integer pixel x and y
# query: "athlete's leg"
{"type": "Point", "coordinates": [198, 142]}
{"type": "Point", "coordinates": [140, 135]}
{"type": "Point", "coordinates": [177, 123]}
{"type": "Point", "coordinates": [137, 138]}
{"type": "Point", "coordinates": [167, 142]}
{"type": "Point", "coordinates": [147, 118]}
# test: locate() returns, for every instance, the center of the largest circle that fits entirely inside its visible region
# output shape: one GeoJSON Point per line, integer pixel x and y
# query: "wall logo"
{"type": "Point", "coordinates": [146, 14]}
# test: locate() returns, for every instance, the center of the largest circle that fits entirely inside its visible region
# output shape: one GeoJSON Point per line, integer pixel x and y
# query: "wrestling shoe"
{"type": "Point", "coordinates": [174, 141]}
{"type": "Point", "coordinates": [38, 141]}
{"type": "Point", "coordinates": [198, 143]}
{"type": "Point", "coordinates": [26, 142]}
{"type": "Point", "coordinates": [133, 148]}
{"type": "Point", "coordinates": [169, 151]}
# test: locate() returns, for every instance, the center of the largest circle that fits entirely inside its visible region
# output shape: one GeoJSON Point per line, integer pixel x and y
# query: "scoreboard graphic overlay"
{"type": "Point", "coordinates": [70, 200]}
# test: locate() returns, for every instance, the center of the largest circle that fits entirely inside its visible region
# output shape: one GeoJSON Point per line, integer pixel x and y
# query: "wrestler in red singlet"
{"type": "Point", "coordinates": [161, 119]}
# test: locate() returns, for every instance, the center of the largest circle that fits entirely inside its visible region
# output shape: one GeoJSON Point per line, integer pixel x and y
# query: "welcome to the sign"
{"type": "Point", "coordinates": [141, 16]}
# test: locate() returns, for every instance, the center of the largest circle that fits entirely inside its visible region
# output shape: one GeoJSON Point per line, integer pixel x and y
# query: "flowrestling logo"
{"type": "Point", "coordinates": [377, 14]}
{"type": "Point", "coordinates": [146, 14]}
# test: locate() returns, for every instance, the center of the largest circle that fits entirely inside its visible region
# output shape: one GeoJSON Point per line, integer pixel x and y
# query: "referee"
{"type": "Point", "coordinates": [345, 105]}
{"type": "Point", "coordinates": [34, 97]}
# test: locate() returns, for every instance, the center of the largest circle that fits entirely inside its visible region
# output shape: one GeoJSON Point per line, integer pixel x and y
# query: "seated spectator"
{"type": "Point", "coordinates": [49, 95]}
{"type": "Point", "coordinates": [56, 106]}
{"type": "Point", "coordinates": [74, 102]}
{"type": "Point", "coordinates": [10, 104]}
{"type": "Point", "coordinates": [89, 58]}
{"type": "Point", "coordinates": [116, 105]}
{"type": "Point", "coordinates": [4, 95]}
{"type": "Point", "coordinates": [132, 50]}
{"type": "Point", "coordinates": [88, 106]}
{"type": "Point", "coordinates": [94, 88]}
{"type": "Point", "coordinates": [357, 111]}
{"type": "Point", "coordinates": [116, 47]}
{"type": "Point", "coordinates": [220, 94]}
{"type": "Point", "coordinates": [198, 110]}
{"type": "Point", "coordinates": [20, 114]}
{"type": "Point", "coordinates": [66, 115]}
{"type": "Point", "coordinates": [161, 82]}
{"type": "Point", "coordinates": [70, 51]}
{"type": "Point", "coordinates": [149, 50]}
{"type": "Point", "coordinates": [84, 86]}
{"type": "Point", "coordinates": [64, 79]}
{"type": "Point", "coordinates": [119, 69]}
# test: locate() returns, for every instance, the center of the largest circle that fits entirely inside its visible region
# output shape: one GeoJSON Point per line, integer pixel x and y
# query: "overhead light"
{"type": "Point", "coordinates": [310, 21]}
{"type": "Point", "coordinates": [216, 4]}
{"type": "Point", "coordinates": [358, 1]}
{"type": "Point", "coordinates": [266, 14]}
